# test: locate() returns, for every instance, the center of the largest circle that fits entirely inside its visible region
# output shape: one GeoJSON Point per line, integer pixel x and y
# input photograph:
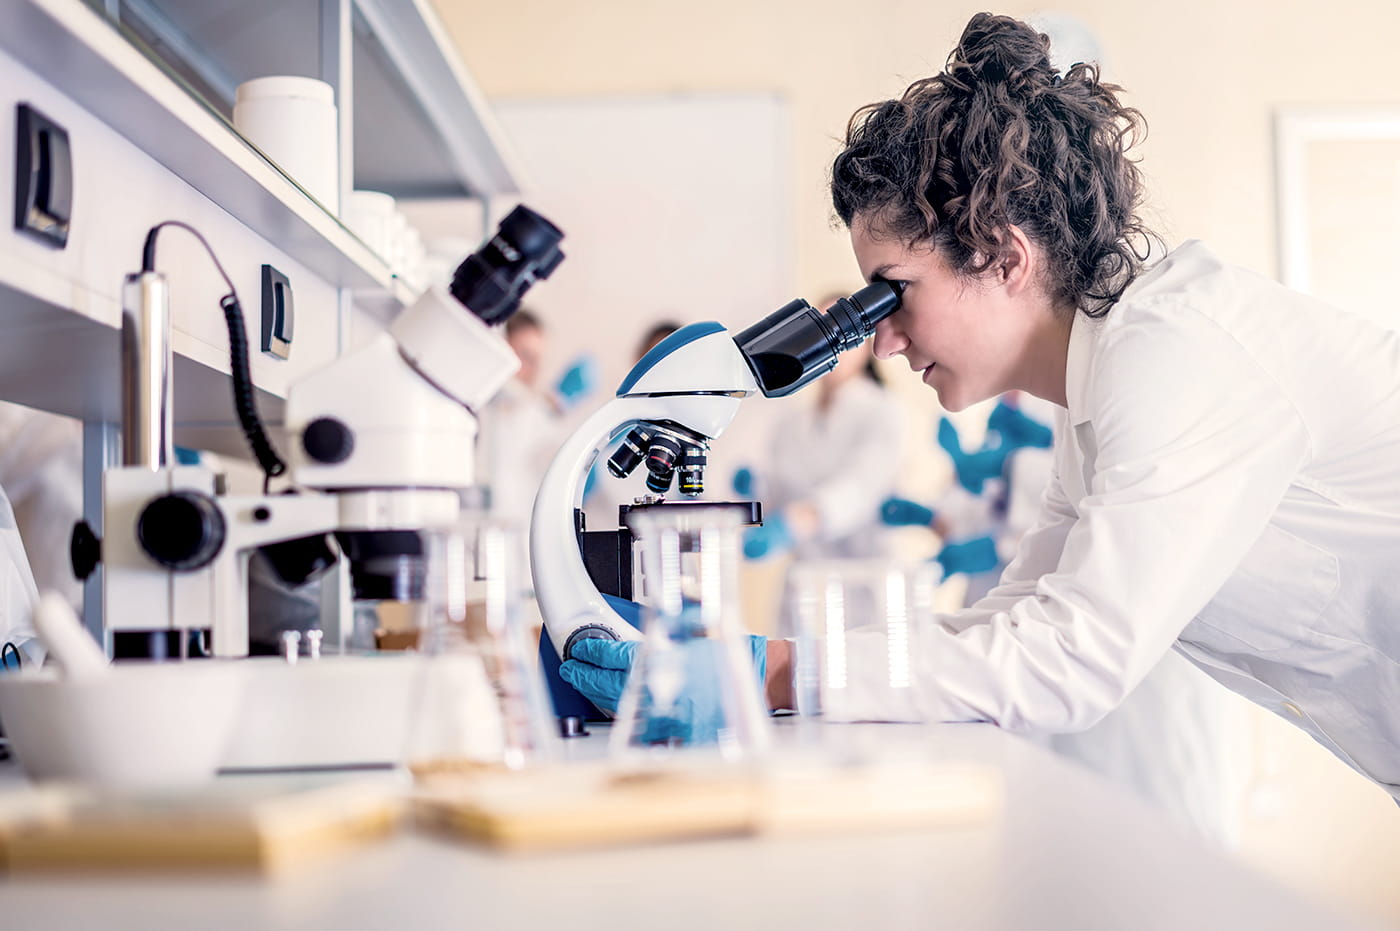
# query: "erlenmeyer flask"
{"type": "Point", "coordinates": [479, 700]}
{"type": "Point", "coordinates": [855, 632]}
{"type": "Point", "coordinates": [693, 682]}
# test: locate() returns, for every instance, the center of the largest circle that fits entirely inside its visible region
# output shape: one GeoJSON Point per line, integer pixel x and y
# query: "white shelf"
{"type": "Point", "coordinates": [79, 53]}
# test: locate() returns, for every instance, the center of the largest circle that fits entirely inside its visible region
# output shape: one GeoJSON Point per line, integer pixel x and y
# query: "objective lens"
{"type": "Point", "coordinates": [692, 471]}
{"type": "Point", "coordinates": [626, 457]}
{"type": "Point", "coordinates": [661, 462]}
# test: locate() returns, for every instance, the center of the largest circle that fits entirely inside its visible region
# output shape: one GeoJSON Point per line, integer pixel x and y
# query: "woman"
{"type": "Point", "coordinates": [1227, 486]}
{"type": "Point", "coordinates": [1229, 483]}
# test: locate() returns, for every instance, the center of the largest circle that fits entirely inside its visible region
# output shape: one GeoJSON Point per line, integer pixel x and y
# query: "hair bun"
{"type": "Point", "coordinates": [999, 49]}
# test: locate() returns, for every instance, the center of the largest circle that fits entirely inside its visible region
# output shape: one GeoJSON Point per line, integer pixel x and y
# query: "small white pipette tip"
{"type": "Point", "coordinates": [70, 645]}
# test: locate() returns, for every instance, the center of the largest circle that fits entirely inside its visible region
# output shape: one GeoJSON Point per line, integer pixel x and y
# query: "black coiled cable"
{"type": "Point", "coordinates": [244, 401]}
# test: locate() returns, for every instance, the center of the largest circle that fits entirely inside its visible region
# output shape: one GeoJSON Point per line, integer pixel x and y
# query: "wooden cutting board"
{"type": "Point", "coordinates": [582, 806]}
{"type": "Point", "coordinates": [254, 824]}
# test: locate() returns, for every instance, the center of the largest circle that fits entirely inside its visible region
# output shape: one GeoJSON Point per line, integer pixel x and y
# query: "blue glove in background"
{"type": "Point", "coordinates": [743, 482]}
{"type": "Point", "coordinates": [972, 469]}
{"type": "Point", "coordinates": [599, 669]}
{"type": "Point", "coordinates": [768, 539]}
{"type": "Point", "coordinates": [901, 512]}
{"type": "Point", "coordinates": [1017, 430]}
{"type": "Point", "coordinates": [978, 554]}
{"type": "Point", "coordinates": [578, 381]}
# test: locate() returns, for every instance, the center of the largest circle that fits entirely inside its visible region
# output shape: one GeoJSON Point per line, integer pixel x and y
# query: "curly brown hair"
{"type": "Point", "coordinates": [999, 139]}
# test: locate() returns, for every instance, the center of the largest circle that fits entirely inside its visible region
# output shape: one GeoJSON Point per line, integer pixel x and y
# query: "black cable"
{"type": "Point", "coordinates": [244, 400]}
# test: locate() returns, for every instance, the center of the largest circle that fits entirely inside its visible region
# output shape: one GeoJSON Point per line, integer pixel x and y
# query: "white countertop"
{"type": "Point", "coordinates": [1069, 852]}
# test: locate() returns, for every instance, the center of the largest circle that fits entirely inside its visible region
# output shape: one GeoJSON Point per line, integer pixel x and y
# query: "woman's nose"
{"type": "Point", "coordinates": [889, 341]}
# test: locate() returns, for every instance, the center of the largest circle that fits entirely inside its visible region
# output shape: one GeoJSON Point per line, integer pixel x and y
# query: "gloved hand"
{"type": "Point", "coordinates": [768, 539]}
{"type": "Point", "coordinates": [1017, 430]}
{"type": "Point", "coordinates": [578, 381]}
{"type": "Point", "coordinates": [972, 469]}
{"type": "Point", "coordinates": [978, 554]}
{"type": "Point", "coordinates": [743, 483]}
{"type": "Point", "coordinates": [901, 512]}
{"type": "Point", "coordinates": [599, 669]}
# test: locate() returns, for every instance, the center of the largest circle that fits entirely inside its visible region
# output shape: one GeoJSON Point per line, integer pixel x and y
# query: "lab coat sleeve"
{"type": "Point", "coordinates": [1037, 554]}
{"type": "Point", "coordinates": [1193, 446]}
{"type": "Point", "coordinates": [850, 501]}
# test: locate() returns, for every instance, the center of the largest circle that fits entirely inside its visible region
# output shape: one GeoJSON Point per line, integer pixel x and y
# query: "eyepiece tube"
{"type": "Point", "coordinates": [798, 344]}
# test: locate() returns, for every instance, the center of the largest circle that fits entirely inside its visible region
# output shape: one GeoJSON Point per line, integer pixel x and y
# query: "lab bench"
{"type": "Point", "coordinates": [1067, 851]}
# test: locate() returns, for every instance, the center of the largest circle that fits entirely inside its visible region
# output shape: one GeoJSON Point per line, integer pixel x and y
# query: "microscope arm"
{"type": "Point", "coordinates": [569, 601]}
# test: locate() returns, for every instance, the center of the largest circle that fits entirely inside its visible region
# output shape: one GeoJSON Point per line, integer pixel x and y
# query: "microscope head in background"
{"type": "Point", "coordinates": [491, 281]}
{"type": "Point", "coordinates": [391, 427]}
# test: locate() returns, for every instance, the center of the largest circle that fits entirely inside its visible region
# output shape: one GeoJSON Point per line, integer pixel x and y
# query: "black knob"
{"type": "Point", "coordinates": [328, 440]}
{"type": "Point", "coordinates": [182, 531]}
{"type": "Point", "coordinates": [84, 549]}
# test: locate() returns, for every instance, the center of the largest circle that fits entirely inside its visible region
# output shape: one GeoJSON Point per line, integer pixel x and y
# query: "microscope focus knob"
{"type": "Point", "coordinates": [328, 440]}
{"type": "Point", "coordinates": [183, 531]}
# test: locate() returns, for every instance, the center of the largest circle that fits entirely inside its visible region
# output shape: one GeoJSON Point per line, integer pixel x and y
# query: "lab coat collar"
{"type": "Point", "coordinates": [1082, 335]}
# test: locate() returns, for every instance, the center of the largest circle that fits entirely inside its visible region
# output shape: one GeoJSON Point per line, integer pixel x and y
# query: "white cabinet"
{"type": "Point", "coordinates": [145, 148]}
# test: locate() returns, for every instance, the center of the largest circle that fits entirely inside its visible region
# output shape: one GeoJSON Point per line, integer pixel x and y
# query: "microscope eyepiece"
{"type": "Point", "coordinates": [492, 280]}
{"type": "Point", "coordinates": [797, 344]}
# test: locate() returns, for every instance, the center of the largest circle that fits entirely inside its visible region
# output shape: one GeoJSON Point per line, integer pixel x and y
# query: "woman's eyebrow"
{"type": "Point", "coordinates": [880, 272]}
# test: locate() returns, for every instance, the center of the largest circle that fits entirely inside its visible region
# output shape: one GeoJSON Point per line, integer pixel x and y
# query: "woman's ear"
{"type": "Point", "coordinates": [1017, 269]}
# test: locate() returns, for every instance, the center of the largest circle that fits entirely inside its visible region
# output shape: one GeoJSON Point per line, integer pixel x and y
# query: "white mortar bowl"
{"type": "Point", "coordinates": [137, 725]}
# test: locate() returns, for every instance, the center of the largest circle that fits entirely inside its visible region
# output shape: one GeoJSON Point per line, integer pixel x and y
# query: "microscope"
{"type": "Point", "coordinates": [382, 447]}
{"type": "Point", "coordinates": [678, 398]}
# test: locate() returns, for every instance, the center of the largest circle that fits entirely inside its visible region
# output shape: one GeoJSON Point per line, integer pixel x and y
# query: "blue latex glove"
{"type": "Point", "coordinates": [768, 539]}
{"type": "Point", "coordinates": [901, 512]}
{"type": "Point", "coordinates": [743, 483]}
{"type": "Point", "coordinates": [1017, 430]}
{"type": "Point", "coordinates": [978, 554]}
{"type": "Point", "coordinates": [972, 469]}
{"type": "Point", "coordinates": [578, 381]}
{"type": "Point", "coordinates": [599, 668]}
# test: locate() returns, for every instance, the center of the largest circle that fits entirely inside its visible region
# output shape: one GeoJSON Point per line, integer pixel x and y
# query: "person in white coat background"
{"type": "Point", "coordinates": [1227, 486]}
{"type": "Point", "coordinates": [41, 498]}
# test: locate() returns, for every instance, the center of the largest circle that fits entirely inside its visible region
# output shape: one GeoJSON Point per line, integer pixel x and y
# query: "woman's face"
{"type": "Point", "coordinates": [965, 337]}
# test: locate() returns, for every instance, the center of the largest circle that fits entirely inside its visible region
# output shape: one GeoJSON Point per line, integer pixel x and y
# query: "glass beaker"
{"type": "Point", "coordinates": [693, 683]}
{"type": "Point", "coordinates": [480, 699]}
{"type": "Point", "coordinates": [855, 630]}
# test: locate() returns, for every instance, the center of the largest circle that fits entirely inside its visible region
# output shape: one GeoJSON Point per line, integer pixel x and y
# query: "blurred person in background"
{"type": "Point", "coordinates": [522, 427]}
{"type": "Point", "coordinates": [827, 467]}
{"type": "Point", "coordinates": [41, 498]}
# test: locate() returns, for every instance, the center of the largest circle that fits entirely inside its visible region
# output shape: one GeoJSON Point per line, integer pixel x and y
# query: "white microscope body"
{"type": "Point", "coordinates": [693, 380]}
{"type": "Point", "coordinates": [677, 399]}
{"type": "Point", "coordinates": [382, 444]}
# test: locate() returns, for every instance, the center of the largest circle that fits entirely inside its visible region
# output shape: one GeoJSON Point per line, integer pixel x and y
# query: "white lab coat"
{"type": "Point", "coordinates": [1230, 487]}
{"type": "Point", "coordinates": [519, 434]}
{"type": "Point", "coordinates": [844, 461]}
{"type": "Point", "coordinates": [41, 469]}
{"type": "Point", "coordinates": [18, 594]}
